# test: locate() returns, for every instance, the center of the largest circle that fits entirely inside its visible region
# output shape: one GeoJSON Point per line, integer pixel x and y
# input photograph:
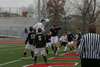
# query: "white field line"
{"type": "Point", "coordinates": [17, 60]}
{"type": "Point", "coordinates": [12, 62]}
{"type": "Point", "coordinates": [68, 52]}
{"type": "Point", "coordinates": [51, 58]}
{"type": "Point", "coordinates": [76, 63]}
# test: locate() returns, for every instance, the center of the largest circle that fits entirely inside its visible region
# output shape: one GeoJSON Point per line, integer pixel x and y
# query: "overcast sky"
{"type": "Point", "coordinates": [16, 3]}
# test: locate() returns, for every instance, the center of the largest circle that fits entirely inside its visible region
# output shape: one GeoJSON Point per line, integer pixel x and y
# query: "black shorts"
{"type": "Point", "coordinates": [90, 62]}
{"type": "Point", "coordinates": [63, 43]}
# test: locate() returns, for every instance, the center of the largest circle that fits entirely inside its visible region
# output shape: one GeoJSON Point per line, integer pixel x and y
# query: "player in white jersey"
{"type": "Point", "coordinates": [63, 41]}
{"type": "Point", "coordinates": [40, 25]}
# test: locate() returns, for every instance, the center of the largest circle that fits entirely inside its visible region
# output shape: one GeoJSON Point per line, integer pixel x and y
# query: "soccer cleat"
{"type": "Point", "coordinates": [64, 51]}
{"type": "Point", "coordinates": [46, 63]}
{"type": "Point", "coordinates": [34, 63]}
{"type": "Point", "coordinates": [32, 58]}
{"type": "Point", "coordinates": [23, 58]}
{"type": "Point", "coordinates": [56, 53]}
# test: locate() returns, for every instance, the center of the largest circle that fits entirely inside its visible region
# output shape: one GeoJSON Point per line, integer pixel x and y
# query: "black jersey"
{"type": "Point", "coordinates": [48, 38]}
{"type": "Point", "coordinates": [79, 36]}
{"type": "Point", "coordinates": [30, 38]}
{"type": "Point", "coordinates": [54, 31]}
{"type": "Point", "coordinates": [40, 41]}
{"type": "Point", "coordinates": [70, 37]}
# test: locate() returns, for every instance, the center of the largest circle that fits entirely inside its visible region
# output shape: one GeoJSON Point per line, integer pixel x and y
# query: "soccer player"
{"type": "Point", "coordinates": [54, 38]}
{"type": "Point", "coordinates": [63, 41]}
{"type": "Point", "coordinates": [79, 36]}
{"type": "Point", "coordinates": [70, 40]}
{"type": "Point", "coordinates": [40, 25]}
{"type": "Point", "coordinates": [48, 41]}
{"type": "Point", "coordinates": [29, 42]}
{"type": "Point", "coordinates": [40, 46]}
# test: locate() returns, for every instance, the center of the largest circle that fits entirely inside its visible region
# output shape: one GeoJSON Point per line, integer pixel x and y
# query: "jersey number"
{"type": "Point", "coordinates": [40, 38]}
{"type": "Point", "coordinates": [32, 36]}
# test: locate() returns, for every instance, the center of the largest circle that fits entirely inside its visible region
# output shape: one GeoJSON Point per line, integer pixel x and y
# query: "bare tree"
{"type": "Point", "coordinates": [56, 10]}
{"type": "Point", "coordinates": [89, 10]}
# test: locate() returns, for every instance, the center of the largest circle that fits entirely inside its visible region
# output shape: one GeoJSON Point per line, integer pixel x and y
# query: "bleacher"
{"type": "Point", "coordinates": [14, 26]}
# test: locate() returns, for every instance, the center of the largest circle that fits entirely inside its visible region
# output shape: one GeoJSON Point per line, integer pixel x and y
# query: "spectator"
{"type": "Point", "coordinates": [25, 33]}
{"type": "Point", "coordinates": [89, 48]}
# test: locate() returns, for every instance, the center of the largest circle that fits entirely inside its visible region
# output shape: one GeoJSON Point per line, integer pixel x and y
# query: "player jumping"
{"type": "Point", "coordinates": [54, 38]}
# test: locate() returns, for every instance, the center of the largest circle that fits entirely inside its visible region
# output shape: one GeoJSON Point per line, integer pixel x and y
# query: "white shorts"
{"type": "Point", "coordinates": [48, 44]}
{"type": "Point", "coordinates": [29, 47]}
{"type": "Point", "coordinates": [39, 50]}
{"type": "Point", "coordinates": [54, 39]}
{"type": "Point", "coordinates": [70, 43]}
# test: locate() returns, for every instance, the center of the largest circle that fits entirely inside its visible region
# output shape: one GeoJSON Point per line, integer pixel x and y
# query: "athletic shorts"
{"type": "Point", "coordinates": [63, 43]}
{"type": "Point", "coordinates": [48, 44]}
{"type": "Point", "coordinates": [29, 47]}
{"type": "Point", "coordinates": [40, 50]}
{"type": "Point", "coordinates": [54, 39]}
{"type": "Point", "coordinates": [70, 43]}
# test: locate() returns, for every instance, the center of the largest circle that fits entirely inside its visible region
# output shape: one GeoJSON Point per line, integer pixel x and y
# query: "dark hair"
{"type": "Point", "coordinates": [39, 30]}
{"type": "Point", "coordinates": [25, 31]}
{"type": "Point", "coordinates": [79, 29]}
{"type": "Point", "coordinates": [92, 28]}
{"type": "Point", "coordinates": [31, 29]}
{"type": "Point", "coordinates": [42, 20]}
{"type": "Point", "coordinates": [54, 25]}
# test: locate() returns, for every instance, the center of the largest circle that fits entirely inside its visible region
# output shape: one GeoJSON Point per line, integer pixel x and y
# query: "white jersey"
{"type": "Point", "coordinates": [63, 38]}
{"type": "Point", "coordinates": [39, 25]}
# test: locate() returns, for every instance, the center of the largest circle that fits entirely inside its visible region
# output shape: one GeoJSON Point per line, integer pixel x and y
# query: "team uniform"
{"type": "Point", "coordinates": [79, 36]}
{"type": "Point", "coordinates": [30, 40]}
{"type": "Point", "coordinates": [40, 46]}
{"type": "Point", "coordinates": [54, 35]}
{"type": "Point", "coordinates": [70, 41]}
{"type": "Point", "coordinates": [29, 45]}
{"type": "Point", "coordinates": [39, 25]}
{"type": "Point", "coordinates": [48, 40]}
{"type": "Point", "coordinates": [63, 41]}
{"type": "Point", "coordinates": [54, 39]}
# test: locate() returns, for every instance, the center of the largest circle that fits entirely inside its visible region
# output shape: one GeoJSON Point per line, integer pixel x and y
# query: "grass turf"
{"type": "Point", "coordinates": [13, 52]}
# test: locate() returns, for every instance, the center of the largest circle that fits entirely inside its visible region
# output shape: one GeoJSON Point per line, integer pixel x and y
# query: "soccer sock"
{"type": "Point", "coordinates": [35, 59]}
{"type": "Point", "coordinates": [47, 51]}
{"type": "Point", "coordinates": [45, 59]}
{"type": "Point", "coordinates": [65, 49]}
{"type": "Point", "coordinates": [32, 54]}
{"type": "Point", "coordinates": [24, 54]}
{"type": "Point", "coordinates": [53, 48]}
{"type": "Point", "coordinates": [73, 47]}
{"type": "Point", "coordinates": [70, 48]}
{"type": "Point", "coordinates": [58, 49]}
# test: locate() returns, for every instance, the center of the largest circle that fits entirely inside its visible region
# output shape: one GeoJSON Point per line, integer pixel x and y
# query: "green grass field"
{"type": "Point", "coordinates": [11, 54]}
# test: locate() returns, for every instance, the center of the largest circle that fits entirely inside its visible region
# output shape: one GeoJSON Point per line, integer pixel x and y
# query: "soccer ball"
{"type": "Point", "coordinates": [47, 20]}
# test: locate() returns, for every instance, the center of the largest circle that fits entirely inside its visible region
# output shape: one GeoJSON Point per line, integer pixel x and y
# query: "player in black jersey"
{"type": "Point", "coordinates": [79, 36]}
{"type": "Point", "coordinates": [29, 42]}
{"type": "Point", "coordinates": [54, 38]}
{"type": "Point", "coordinates": [48, 41]}
{"type": "Point", "coordinates": [70, 40]}
{"type": "Point", "coordinates": [40, 46]}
